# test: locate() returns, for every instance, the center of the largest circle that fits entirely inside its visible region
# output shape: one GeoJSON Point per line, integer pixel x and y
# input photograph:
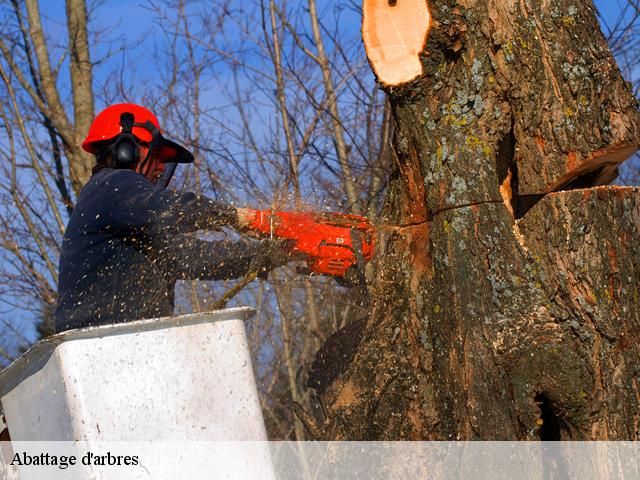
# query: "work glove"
{"type": "Point", "coordinates": [245, 217]}
{"type": "Point", "coordinates": [272, 254]}
{"type": "Point", "coordinates": [247, 222]}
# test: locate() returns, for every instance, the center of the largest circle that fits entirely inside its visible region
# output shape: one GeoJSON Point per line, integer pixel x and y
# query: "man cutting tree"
{"type": "Point", "coordinates": [127, 240]}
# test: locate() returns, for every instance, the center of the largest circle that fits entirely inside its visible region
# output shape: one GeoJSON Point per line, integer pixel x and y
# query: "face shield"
{"type": "Point", "coordinates": [160, 149]}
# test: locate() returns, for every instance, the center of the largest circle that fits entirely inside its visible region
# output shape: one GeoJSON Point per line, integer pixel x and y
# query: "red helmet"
{"type": "Point", "coordinates": [106, 125]}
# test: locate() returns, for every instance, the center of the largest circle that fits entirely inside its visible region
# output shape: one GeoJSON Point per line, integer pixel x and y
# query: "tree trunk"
{"type": "Point", "coordinates": [506, 305]}
{"type": "Point", "coordinates": [80, 67]}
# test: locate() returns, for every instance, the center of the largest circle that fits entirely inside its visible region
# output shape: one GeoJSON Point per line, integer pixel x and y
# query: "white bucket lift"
{"type": "Point", "coordinates": [180, 378]}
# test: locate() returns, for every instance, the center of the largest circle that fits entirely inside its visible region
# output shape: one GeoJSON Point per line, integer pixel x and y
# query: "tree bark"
{"type": "Point", "coordinates": [506, 305]}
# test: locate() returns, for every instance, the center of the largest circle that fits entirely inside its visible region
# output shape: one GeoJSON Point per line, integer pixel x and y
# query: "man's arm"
{"type": "Point", "coordinates": [186, 258]}
{"type": "Point", "coordinates": [140, 207]}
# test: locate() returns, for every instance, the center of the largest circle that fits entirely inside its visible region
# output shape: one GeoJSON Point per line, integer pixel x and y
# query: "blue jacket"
{"type": "Point", "coordinates": [125, 247]}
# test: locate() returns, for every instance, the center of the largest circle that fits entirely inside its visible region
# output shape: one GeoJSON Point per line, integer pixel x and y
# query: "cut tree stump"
{"type": "Point", "coordinates": [506, 303]}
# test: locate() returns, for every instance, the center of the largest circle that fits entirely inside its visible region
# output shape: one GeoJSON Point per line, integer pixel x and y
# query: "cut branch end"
{"type": "Point", "coordinates": [394, 34]}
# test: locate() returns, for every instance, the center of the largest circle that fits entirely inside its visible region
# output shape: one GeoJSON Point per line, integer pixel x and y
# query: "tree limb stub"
{"type": "Point", "coordinates": [574, 117]}
{"type": "Point", "coordinates": [394, 33]}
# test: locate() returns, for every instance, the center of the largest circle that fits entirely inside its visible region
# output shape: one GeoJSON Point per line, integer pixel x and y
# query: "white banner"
{"type": "Point", "coordinates": [321, 460]}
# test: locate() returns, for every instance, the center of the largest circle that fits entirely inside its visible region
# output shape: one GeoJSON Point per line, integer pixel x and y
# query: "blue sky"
{"type": "Point", "coordinates": [609, 9]}
{"type": "Point", "coordinates": [125, 22]}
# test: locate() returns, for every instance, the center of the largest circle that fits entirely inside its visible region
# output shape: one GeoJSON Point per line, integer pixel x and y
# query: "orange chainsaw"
{"type": "Point", "coordinates": [331, 243]}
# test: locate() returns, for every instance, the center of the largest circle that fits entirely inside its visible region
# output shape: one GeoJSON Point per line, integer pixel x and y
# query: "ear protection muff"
{"type": "Point", "coordinates": [125, 151]}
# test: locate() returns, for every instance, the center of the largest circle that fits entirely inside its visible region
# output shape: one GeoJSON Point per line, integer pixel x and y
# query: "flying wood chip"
{"type": "Point", "coordinates": [394, 33]}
